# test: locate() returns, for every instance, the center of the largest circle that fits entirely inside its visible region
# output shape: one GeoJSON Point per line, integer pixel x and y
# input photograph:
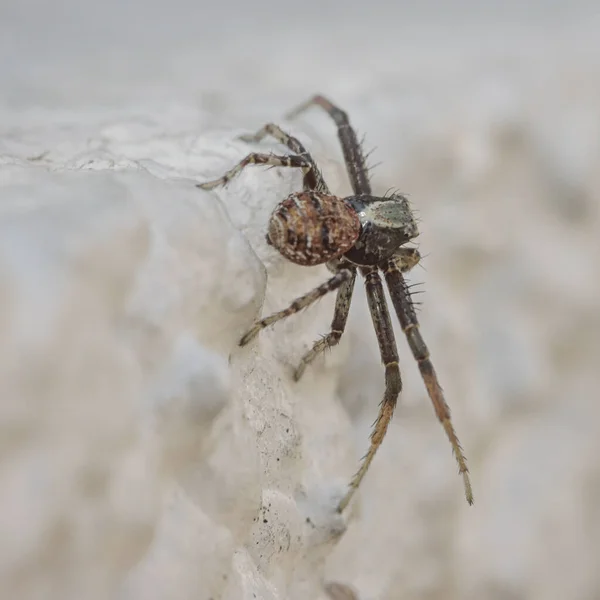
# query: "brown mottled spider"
{"type": "Point", "coordinates": [361, 232]}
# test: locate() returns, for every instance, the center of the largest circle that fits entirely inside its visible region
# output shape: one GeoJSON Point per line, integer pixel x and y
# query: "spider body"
{"type": "Point", "coordinates": [363, 234]}
{"type": "Point", "coordinates": [311, 228]}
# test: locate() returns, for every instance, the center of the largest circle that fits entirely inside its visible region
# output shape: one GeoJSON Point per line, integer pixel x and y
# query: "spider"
{"type": "Point", "coordinates": [361, 233]}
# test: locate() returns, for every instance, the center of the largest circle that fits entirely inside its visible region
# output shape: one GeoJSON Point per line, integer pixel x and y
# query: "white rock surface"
{"type": "Point", "coordinates": [125, 291]}
{"type": "Point", "coordinates": [144, 455]}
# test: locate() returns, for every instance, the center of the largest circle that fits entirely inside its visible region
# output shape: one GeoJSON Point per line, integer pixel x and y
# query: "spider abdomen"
{"type": "Point", "coordinates": [311, 228]}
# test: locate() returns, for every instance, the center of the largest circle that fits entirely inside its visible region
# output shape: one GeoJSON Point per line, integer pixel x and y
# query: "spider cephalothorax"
{"type": "Point", "coordinates": [363, 233]}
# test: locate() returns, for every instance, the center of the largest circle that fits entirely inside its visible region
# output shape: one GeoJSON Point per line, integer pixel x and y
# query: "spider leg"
{"type": "Point", "coordinates": [338, 324]}
{"type": "Point", "coordinates": [400, 296]}
{"type": "Point", "coordinates": [393, 382]}
{"type": "Point", "coordinates": [313, 180]}
{"type": "Point", "coordinates": [281, 136]}
{"type": "Point", "coordinates": [299, 304]}
{"type": "Point", "coordinates": [272, 160]}
{"type": "Point", "coordinates": [351, 147]}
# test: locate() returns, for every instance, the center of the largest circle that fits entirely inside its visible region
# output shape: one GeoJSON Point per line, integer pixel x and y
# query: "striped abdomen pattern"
{"type": "Point", "coordinates": [311, 228]}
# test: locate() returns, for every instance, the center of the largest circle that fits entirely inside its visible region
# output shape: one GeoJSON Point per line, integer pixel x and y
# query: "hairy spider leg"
{"type": "Point", "coordinates": [393, 381]}
{"type": "Point", "coordinates": [299, 304]}
{"type": "Point", "coordinates": [313, 180]}
{"type": "Point", "coordinates": [338, 324]}
{"type": "Point", "coordinates": [298, 162]}
{"type": "Point", "coordinates": [401, 300]}
{"type": "Point", "coordinates": [351, 147]}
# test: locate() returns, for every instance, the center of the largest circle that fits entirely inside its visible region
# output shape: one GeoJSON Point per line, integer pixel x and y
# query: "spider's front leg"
{"type": "Point", "coordinates": [299, 304]}
{"type": "Point", "coordinates": [393, 382]}
{"type": "Point", "coordinates": [401, 299]}
{"type": "Point", "coordinates": [294, 161]}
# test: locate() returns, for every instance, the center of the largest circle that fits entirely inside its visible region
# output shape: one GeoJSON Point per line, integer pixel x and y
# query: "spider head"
{"type": "Point", "coordinates": [392, 213]}
{"type": "Point", "coordinates": [387, 224]}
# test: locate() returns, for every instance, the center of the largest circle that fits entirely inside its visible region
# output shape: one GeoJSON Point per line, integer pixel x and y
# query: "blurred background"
{"type": "Point", "coordinates": [487, 114]}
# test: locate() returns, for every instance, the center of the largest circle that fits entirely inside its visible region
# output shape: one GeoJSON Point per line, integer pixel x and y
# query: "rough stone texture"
{"type": "Point", "coordinates": [144, 455]}
{"type": "Point", "coordinates": [150, 464]}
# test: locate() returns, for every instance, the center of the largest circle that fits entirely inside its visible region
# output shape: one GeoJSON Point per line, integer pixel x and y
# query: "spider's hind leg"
{"type": "Point", "coordinates": [351, 147]}
{"type": "Point", "coordinates": [272, 160]}
{"type": "Point", "coordinates": [281, 136]}
{"type": "Point", "coordinates": [313, 179]}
